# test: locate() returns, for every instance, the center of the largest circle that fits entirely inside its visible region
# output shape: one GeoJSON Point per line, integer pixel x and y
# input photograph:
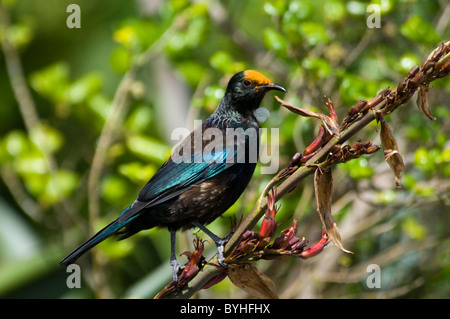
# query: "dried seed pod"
{"type": "Point", "coordinates": [444, 70]}
{"type": "Point", "coordinates": [390, 147]}
{"type": "Point", "coordinates": [373, 102]}
{"type": "Point", "coordinates": [323, 185]}
{"type": "Point", "coordinates": [350, 111]}
{"type": "Point", "coordinates": [354, 117]}
{"type": "Point", "coordinates": [413, 84]}
{"type": "Point", "coordinates": [263, 242]}
{"type": "Point", "coordinates": [279, 242]}
{"type": "Point", "coordinates": [390, 99]}
{"type": "Point", "coordinates": [355, 146]}
{"type": "Point", "coordinates": [335, 149]}
{"type": "Point", "coordinates": [413, 71]}
{"type": "Point", "coordinates": [248, 234]}
{"type": "Point", "coordinates": [247, 247]}
{"type": "Point", "coordinates": [422, 101]}
{"type": "Point", "coordinates": [377, 99]}
{"type": "Point", "coordinates": [426, 66]}
{"type": "Point", "coordinates": [372, 149]}
{"type": "Point", "coordinates": [438, 52]}
{"type": "Point", "coordinates": [385, 92]}
{"type": "Point", "coordinates": [366, 144]}
{"type": "Point", "coordinates": [401, 88]}
{"type": "Point", "coordinates": [359, 106]}
{"type": "Point", "coordinates": [299, 245]}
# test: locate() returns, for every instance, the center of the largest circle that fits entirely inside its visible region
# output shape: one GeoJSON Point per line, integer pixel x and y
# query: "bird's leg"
{"type": "Point", "coordinates": [220, 243]}
{"type": "Point", "coordinates": [173, 259]}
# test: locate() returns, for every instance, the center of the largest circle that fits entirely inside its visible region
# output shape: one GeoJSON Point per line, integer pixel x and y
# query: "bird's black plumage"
{"type": "Point", "coordinates": [199, 188]}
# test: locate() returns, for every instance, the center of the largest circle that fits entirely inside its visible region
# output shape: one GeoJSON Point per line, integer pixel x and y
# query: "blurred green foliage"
{"type": "Point", "coordinates": [310, 47]}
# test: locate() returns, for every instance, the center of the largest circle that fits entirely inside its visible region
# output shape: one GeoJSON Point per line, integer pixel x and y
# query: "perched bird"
{"type": "Point", "coordinates": [199, 182]}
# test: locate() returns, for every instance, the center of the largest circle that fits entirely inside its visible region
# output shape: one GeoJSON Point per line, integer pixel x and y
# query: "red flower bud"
{"type": "Point", "coordinates": [268, 225]}
{"type": "Point", "coordinates": [215, 280]}
{"type": "Point", "coordinates": [316, 248]}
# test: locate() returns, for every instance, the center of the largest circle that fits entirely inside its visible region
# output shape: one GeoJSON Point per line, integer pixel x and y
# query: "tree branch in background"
{"type": "Point", "coordinates": [325, 152]}
{"type": "Point", "coordinates": [113, 121]}
{"type": "Point", "coordinates": [29, 115]}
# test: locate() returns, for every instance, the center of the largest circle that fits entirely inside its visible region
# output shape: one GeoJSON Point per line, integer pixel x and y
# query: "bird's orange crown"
{"type": "Point", "coordinates": [256, 77]}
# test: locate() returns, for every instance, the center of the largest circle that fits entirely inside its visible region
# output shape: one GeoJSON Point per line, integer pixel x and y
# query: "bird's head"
{"type": "Point", "coordinates": [246, 90]}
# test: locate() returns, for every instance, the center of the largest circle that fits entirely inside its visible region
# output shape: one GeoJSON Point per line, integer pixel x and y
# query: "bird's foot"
{"type": "Point", "coordinates": [220, 243]}
{"type": "Point", "coordinates": [176, 268]}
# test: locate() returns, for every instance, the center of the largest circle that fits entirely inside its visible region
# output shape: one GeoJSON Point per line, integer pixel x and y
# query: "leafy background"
{"type": "Point", "coordinates": [193, 47]}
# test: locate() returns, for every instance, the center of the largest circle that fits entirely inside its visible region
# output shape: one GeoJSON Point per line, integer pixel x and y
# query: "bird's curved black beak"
{"type": "Point", "coordinates": [274, 86]}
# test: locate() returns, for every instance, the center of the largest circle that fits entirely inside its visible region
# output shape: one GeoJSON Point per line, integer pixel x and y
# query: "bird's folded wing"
{"type": "Point", "coordinates": [172, 179]}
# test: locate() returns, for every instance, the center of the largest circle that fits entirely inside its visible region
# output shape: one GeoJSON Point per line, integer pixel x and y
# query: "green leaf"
{"type": "Point", "coordinates": [47, 138]}
{"type": "Point", "coordinates": [222, 61]}
{"type": "Point", "coordinates": [358, 168]}
{"type": "Point", "coordinates": [212, 97]}
{"type": "Point", "coordinates": [148, 148]}
{"type": "Point", "coordinates": [137, 172]}
{"type": "Point", "coordinates": [334, 11]}
{"type": "Point", "coordinates": [100, 104]}
{"type": "Point", "coordinates": [419, 30]}
{"type": "Point", "coordinates": [140, 119]}
{"type": "Point", "coordinates": [413, 228]}
{"type": "Point", "coordinates": [275, 41]}
{"type": "Point", "coordinates": [275, 7]}
{"type": "Point", "coordinates": [114, 189]}
{"type": "Point", "coordinates": [136, 34]}
{"type": "Point", "coordinates": [314, 33]}
{"type": "Point", "coordinates": [422, 160]}
{"type": "Point", "coordinates": [31, 164]}
{"type": "Point", "coordinates": [16, 143]}
{"type": "Point", "coordinates": [301, 9]}
{"type": "Point", "coordinates": [386, 197]}
{"type": "Point", "coordinates": [52, 81]}
{"type": "Point", "coordinates": [320, 68]}
{"type": "Point", "coordinates": [407, 61]}
{"type": "Point", "coordinates": [84, 87]}
{"type": "Point", "coordinates": [120, 60]}
{"type": "Point", "coordinates": [61, 185]}
{"type": "Point", "coordinates": [19, 35]}
{"type": "Point", "coordinates": [193, 72]}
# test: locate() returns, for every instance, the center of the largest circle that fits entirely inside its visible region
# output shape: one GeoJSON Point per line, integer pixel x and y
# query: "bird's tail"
{"type": "Point", "coordinates": [106, 232]}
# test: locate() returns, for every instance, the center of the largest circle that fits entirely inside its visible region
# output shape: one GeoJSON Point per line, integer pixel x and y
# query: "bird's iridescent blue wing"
{"type": "Point", "coordinates": [174, 178]}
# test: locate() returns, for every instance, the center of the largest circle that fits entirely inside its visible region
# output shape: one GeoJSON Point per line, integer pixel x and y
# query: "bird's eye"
{"type": "Point", "coordinates": [247, 83]}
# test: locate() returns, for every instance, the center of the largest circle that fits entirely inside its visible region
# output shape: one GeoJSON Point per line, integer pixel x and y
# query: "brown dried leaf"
{"type": "Point", "coordinates": [323, 187]}
{"type": "Point", "coordinates": [422, 101]}
{"type": "Point", "coordinates": [395, 161]}
{"type": "Point", "coordinates": [330, 124]}
{"type": "Point", "coordinates": [252, 281]}
{"type": "Point", "coordinates": [391, 152]}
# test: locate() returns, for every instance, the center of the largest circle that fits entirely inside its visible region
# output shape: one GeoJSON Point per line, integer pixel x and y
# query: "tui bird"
{"type": "Point", "coordinates": [195, 186]}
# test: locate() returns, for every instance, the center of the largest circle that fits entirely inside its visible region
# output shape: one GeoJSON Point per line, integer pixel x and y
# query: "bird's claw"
{"type": "Point", "coordinates": [220, 248]}
{"type": "Point", "coordinates": [220, 258]}
{"type": "Point", "coordinates": [176, 267]}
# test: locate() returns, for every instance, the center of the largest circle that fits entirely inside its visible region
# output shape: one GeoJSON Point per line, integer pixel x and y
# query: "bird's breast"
{"type": "Point", "coordinates": [208, 200]}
